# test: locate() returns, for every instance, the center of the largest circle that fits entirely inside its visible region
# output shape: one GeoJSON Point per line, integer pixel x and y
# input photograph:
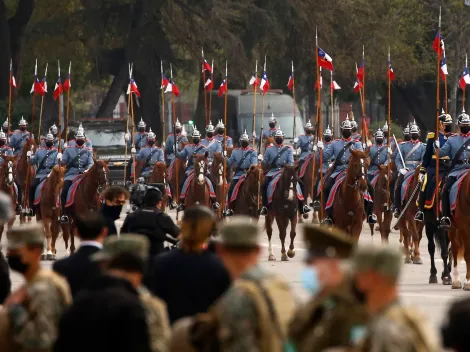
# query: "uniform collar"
{"type": "Point", "coordinates": [417, 141]}
{"type": "Point", "coordinates": [79, 146]}
{"type": "Point", "coordinates": [49, 148]}
{"type": "Point", "coordinates": [151, 146]}
{"type": "Point", "coordinates": [465, 135]}
{"type": "Point", "coordinates": [379, 145]}
{"type": "Point", "coordinates": [245, 148]}
{"type": "Point", "coordinates": [279, 146]}
{"type": "Point", "coordinates": [347, 139]}
{"type": "Point", "coordinates": [220, 135]}
{"type": "Point", "coordinates": [196, 144]}
{"type": "Point", "coordinates": [209, 138]}
{"type": "Point", "coordinates": [273, 129]}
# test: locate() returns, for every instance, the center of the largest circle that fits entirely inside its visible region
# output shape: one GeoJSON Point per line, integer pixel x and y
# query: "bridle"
{"type": "Point", "coordinates": [357, 179]}
{"type": "Point", "coordinates": [8, 176]}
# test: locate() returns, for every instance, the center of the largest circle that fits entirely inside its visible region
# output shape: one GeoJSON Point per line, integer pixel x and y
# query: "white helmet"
{"type": "Point", "coordinates": [353, 124]}
{"type": "Point", "coordinates": [196, 133]}
{"type": "Point", "coordinates": [3, 135]}
{"type": "Point", "coordinates": [414, 128]}
{"type": "Point", "coordinates": [464, 119]}
{"type": "Point", "coordinates": [220, 125]}
{"type": "Point", "coordinates": [346, 124]}
{"type": "Point", "coordinates": [406, 130]}
{"type": "Point", "coordinates": [272, 119]}
{"type": "Point", "coordinates": [80, 128]}
{"type": "Point", "coordinates": [379, 133]}
{"type": "Point", "coordinates": [141, 123]}
{"type": "Point", "coordinates": [80, 133]}
{"type": "Point", "coordinates": [54, 129]}
{"type": "Point", "coordinates": [23, 122]}
{"type": "Point", "coordinates": [177, 123]}
{"type": "Point", "coordinates": [279, 132]}
{"type": "Point", "coordinates": [328, 132]}
{"type": "Point", "coordinates": [308, 125]}
{"type": "Point", "coordinates": [5, 124]}
{"type": "Point", "coordinates": [210, 128]}
{"type": "Point", "coordinates": [244, 137]}
{"type": "Point", "coordinates": [49, 137]}
{"type": "Point", "coordinates": [150, 135]}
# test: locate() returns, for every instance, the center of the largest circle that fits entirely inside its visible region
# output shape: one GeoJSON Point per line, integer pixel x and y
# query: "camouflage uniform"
{"type": "Point", "coordinates": [34, 322]}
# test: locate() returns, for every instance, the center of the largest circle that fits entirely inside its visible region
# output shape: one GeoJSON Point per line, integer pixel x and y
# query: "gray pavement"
{"type": "Point", "coordinates": [432, 300]}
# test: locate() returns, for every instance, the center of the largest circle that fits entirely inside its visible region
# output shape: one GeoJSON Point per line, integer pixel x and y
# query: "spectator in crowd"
{"type": "Point", "coordinates": [35, 308]}
{"type": "Point", "coordinates": [6, 212]}
{"type": "Point", "coordinates": [108, 315]}
{"type": "Point", "coordinates": [190, 279]}
{"type": "Point", "coordinates": [114, 199]}
{"type": "Point", "coordinates": [79, 269]}
{"type": "Point", "coordinates": [454, 331]}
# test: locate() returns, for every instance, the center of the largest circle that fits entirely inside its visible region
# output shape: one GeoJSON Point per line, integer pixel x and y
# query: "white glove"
{"type": "Point", "coordinates": [254, 134]}
{"type": "Point", "coordinates": [28, 153]}
{"type": "Point", "coordinates": [421, 178]}
{"type": "Point", "coordinates": [127, 136]}
{"type": "Point", "coordinates": [315, 148]}
{"type": "Point", "coordinates": [133, 151]}
{"type": "Point", "coordinates": [437, 144]}
{"type": "Point", "coordinates": [183, 133]}
{"type": "Point", "coordinates": [225, 153]}
{"type": "Point", "coordinates": [296, 140]}
{"type": "Point", "coordinates": [390, 150]}
{"type": "Point", "coordinates": [65, 145]}
{"type": "Point", "coordinates": [260, 157]}
{"type": "Point", "coordinates": [320, 145]}
{"type": "Point", "coordinates": [404, 171]}
{"type": "Point", "coordinates": [59, 156]}
{"type": "Point", "coordinates": [163, 145]}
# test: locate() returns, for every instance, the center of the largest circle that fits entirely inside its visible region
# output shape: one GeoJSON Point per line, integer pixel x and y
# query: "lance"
{"type": "Point", "coordinates": [42, 104]}
{"type": "Point", "coordinates": [68, 105]}
{"type": "Point", "coordinates": [254, 109]}
{"type": "Point", "coordinates": [436, 192]}
{"type": "Point", "coordinates": [224, 143]}
{"type": "Point", "coordinates": [262, 127]}
{"type": "Point", "coordinates": [174, 124]}
{"type": "Point", "coordinates": [9, 100]}
{"type": "Point", "coordinates": [205, 89]}
{"type": "Point", "coordinates": [293, 98]}
{"type": "Point", "coordinates": [210, 92]}
{"type": "Point", "coordinates": [127, 127]}
{"type": "Point", "coordinates": [445, 82]}
{"type": "Point", "coordinates": [33, 90]}
{"type": "Point", "coordinates": [464, 88]}
{"type": "Point", "coordinates": [163, 105]}
{"type": "Point", "coordinates": [332, 87]}
{"type": "Point", "coordinates": [389, 127]}
{"type": "Point", "coordinates": [133, 122]}
{"type": "Point", "coordinates": [58, 105]}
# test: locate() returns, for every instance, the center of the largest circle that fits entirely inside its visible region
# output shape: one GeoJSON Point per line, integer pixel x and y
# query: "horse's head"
{"type": "Point", "coordinates": [8, 168]}
{"type": "Point", "coordinates": [357, 166]}
{"type": "Point", "coordinates": [200, 168]}
{"type": "Point", "coordinates": [59, 171]}
{"type": "Point", "coordinates": [102, 172]}
{"type": "Point", "coordinates": [289, 182]}
{"type": "Point", "coordinates": [269, 140]}
{"type": "Point", "coordinates": [217, 166]}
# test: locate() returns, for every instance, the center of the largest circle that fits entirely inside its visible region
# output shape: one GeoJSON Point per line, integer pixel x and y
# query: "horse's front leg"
{"type": "Point", "coordinates": [269, 231]}
{"type": "Point", "coordinates": [293, 225]}
{"type": "Point", "coordinates": [282, 223]}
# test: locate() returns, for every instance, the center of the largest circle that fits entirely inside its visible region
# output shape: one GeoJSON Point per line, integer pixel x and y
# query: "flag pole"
{"type": "Point", "coordinates": [205, 89]}
{"type": "Point", "coordinates": [42, 105]}
{"type": "Point", "coordinates": [464, 89]}
{"type": "Point", "coordinates": [318, 133]}
{"type": "Point", "coordinates": [389, 127]}
{"type": "Point", "coordinates": [436, 191]}
{"type": "Point", "coordinates": [58, 103]}
{"type": "Point", "coordinates": [361, 95]}
{"type": "Point", "coordinates": [293, 98]}
{"type": "Point", "coordinates": [224, 143]}
{"type": "Point", "coordinates": [163, 105]}
{"type": "Point", "coordinates": [254, 110]}
{"type": "Point", "coordinates": [332, 102]}
{"type": "Point", "coordinates": [33, 108]}
{"type": "Point", "coordinates": [9, 100]}
{"type": "Point", "coordinates": [127, 128]}
{"type": "Point", "coordinates": [68, 107]}
{"type": "Point", "coordinates": [363, 122]}
{"type": "Point", "coordinates": [210, 92]}
{"type": "Point", "coordinates": [445, 85]}
{"type": "Point", "coordinates": [260, 145]}
{"type": "Point", "coordinates": [133, 124]}
{"type": "Point", "coordinates": [262, 111]}
{"type": "Point", "coordinates": [174, 124]}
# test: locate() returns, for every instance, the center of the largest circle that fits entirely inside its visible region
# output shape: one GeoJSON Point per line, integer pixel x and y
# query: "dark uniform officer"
{"type": "Point", "coordinates": [335, 316]}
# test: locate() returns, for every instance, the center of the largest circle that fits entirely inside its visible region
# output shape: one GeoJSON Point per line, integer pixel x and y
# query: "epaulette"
{"type": "Point", "coordinates": [403, 142]}
{"type": "Point", "coordinates": [70, 146]}
{"type": "Point", "coordinates": [337, 139]}
{"type": "Point", "coordinates": [90, 149]}
{"type": "Point", "coordinates": [170, 134]}
{"type": "Point", "coordinates": [270, 146]}
{"type": "Point", "coordinates": [453, 134]}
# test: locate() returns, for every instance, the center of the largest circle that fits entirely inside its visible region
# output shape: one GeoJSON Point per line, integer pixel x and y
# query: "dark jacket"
{"type": "Point", "coordinates": [110, 217]}
{"type": "Point", "coordinates": [189, 283]}
{"type": "Point", "coordinates": [5, 282]}
{"type": "Point", "coordinates": [78, 269]}
{"type": "Point", "coordinates": [154, 224]}
{"type": "Point", "coordinates": [106, 316]}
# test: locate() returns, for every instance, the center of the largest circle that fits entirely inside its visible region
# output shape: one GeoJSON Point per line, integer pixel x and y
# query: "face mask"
{"type": "Point", "coordinates": [414, 136]}
{"type": "Point", "coordinates": [447, 128]}
{"type": "Point", "coordinates": [385, 134]}
{"type": "Point", "coordinates": [49, 144]}
{"type": "Point", "coordinates": [54, 134]}
{"type": "Point", "coordinates": [178, 130]}
{"type": "Point", "coordinates": [210, 134]}
{"type": "Point", "coordinates": [2, 142]}
{"type": "Point", "coordinates": [272, 125]}
{"type": "Point", "coordinates": [278, 140]}
{"type": "Point", "coordinates": [327, 138]}
{"type": "Point", "coordinates": [80, 142]}
{"type": "Point", "coordinates": [141, 129]}
{"type": "Point", "coordinates": [346, 133]}
{"type": "Point", "coordinates": [244, 144]}
{"type": "Point", "coordinates": [196, 140]}
{"type": "Point", "coordinates": [151, 143]}
{"type": "Point", "coordinates": [465, 129]}
{"type": "Point", "coordinates": [407, 137]}
{"type": "Point", "coordinates": [5, 130]}
{"type": "Point", "coordinates": [309, 132]}
{"type": "Point", "coordinates": [23, 128]}
{"type": "Point", "coordinates": [113, 211]}
{"type": "Point", "coordinates": [379, 140]}
{"type": "Point", "coordinates": [15, 263]}
{"type": "Point", "coordinates": [310, 281]}
{"type": "Point", "coordinates": [354, 129]}
{"type": "Point", "coordinates": [220, 131]}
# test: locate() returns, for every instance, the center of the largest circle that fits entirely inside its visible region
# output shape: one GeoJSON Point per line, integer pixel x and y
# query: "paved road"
{"type": "Point", "coordinates": [432, 300]}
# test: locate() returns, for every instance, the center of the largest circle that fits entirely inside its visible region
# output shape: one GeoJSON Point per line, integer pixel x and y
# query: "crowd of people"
{"type": "Point", "coordinates": [124, 293]}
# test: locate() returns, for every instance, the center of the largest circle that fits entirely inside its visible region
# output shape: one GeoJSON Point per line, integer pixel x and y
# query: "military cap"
{"type": "Point", "coordinates": [240, 232]}
{"type": "Point", "coordinates": [383, 260]}
{"type": "Point", "coordinates": [328, 242]}
{"type": "Point", "coordinates": [128, 243]}
{"type": "Point", "coordinates": [25, 235]}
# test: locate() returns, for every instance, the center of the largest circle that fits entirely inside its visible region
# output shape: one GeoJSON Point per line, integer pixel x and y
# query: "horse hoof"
{"type": "Point", "coordinates": [456, 285]}
{"type": "Point", "coordinates": [417, 260]}
{"type": "Point", "coordinates": [377, 228]}
{"type": "Point", "coordinates": [433, 279]}
{"type": "Point", "coordinates": [291, 253]}
{"type": "Point", "coordinates": [408, 260]}
{"type": "Point", "coordinates": [447, 280]}
{"type": "Point", "coordinates": [284, 258]}
{"type": "Point", "coordinates": [466, 286]}
{"type": "Point", "coordinates": [305, 216]}
{"type": "Point", "coordinates": [67, 254]}
{"type": "Point", "coordinates": [43, 256]}
{"type": "Point", "coordinates": [272, 258]}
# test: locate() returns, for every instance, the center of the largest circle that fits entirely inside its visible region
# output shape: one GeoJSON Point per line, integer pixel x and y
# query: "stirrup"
{"type": "Point", "coordinates": [372, 219]}
{"type": "Point", "coordinates": [215, 205]}
{"type": "Point", "coordinates": [263, 211]}
{"type": "Point", "coordinates": [173, 205]}
{"type": "Point", "coordinates": [445, 222]}
{"type": "Point", "coordinates": [64, 219]}
{"type": "Point", "coordinates": [180, 207]}
{"type": "Point", "coordinates": [18, 209]}
{"type": "Point", "coordinates": [306, 209]}
{"type": "Point", "coordinates": [396, 212]}
{"type": "Point", "coordinates": [419, 216]}
{"type": "Point", "coordinates": [316, 205]}
{"type": "Point", "coordinates": [228, 212]}
{"type": "Point", "coordinates": [328, 221]}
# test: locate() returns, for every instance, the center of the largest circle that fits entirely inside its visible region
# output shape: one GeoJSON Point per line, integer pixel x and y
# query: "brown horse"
{"type": "Point", "coordinates": [86, 197]}
{"type": "Point", "coordinates": [410, 230]}
{"type": "Point", "coordinates": [217, 172]}
{"type": "Point", "coordinates": [159, 175]}
{"type": "Point", "coordinates": [24, 175]}
{"type": "Point", "coordinates": [309, 181]}
{"type": "Point", "coordinates": [48, 212]}
{"type": "Point", "coordinates": [348, 205]}
{"type": "Point", "coordinates": [7, 170]}
{"type": "Point", "coordinates": [247, 201]}
{"type": "Point", "coordinates": [198, 190]}
{"type": "Point", "coordinates": [177, 168]}
{"type": "Point", "coordinates": [284, 209]}
{"type": "Point", "coordinates": [381, 198]}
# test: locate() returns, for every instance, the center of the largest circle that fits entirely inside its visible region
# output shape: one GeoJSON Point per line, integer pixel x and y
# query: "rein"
{"type": "Point", "coordinates": [357, 179]}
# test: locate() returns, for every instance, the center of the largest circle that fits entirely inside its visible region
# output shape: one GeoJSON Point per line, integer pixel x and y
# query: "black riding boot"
{"type": "Point", "coordinates": [445, 219]}
{"type": "Point", "coordinates": [369, 206]}
{"type": "Point", "coordinates": [303, 208]}
{"type": "Point", "coordinates": [421, 202]}
{"type": "Point", "coordinates": [229, 211]}
{"type": "Point", "coordinates": [32, 190]}
{"type": "Point", "coordinates": [264, 195]}
{"type": "Point", "coordinates": [64, 219]}
{"type": "Point", "coordinates": [19, 204]}
{"type": "Point", "coordinates": [181, 205]}
{"type": "Point", "coordinates": [397, 197]}
{"type": "Point", "coordinates": [326, 193]}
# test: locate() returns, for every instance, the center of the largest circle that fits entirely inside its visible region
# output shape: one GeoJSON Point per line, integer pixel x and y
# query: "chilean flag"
{"type": "Point", "coordinates": [465, 79]}
{"type": "Point", "coordinates": [361, 72]}
{"type": "Point", "coordinates": [223, 88]}
{"type": "Point", "coordinates": [290, 83]}
{"type": "Point", "coordinates": [357, 86]}
{"type": "Point", "coordinates": [132, 88]}
{"type": "Point", "coordinates": [67, 84]}
{"type": "Point", "coordinates": [206, 66]}
{"type": "Point", "coordinates": [171, 87]}
{"type": "Point", "coordinates": [437, 43]}
{"type": "Point", "coordinates": [209, 84]}
{"type": "Point", "coordinates": [165, 82]}
{"type": "Point", "coordinates": [58, 89]}
{"type": "Point", "coordinates": [334, 86]}
{"type": "Point", "coordinates": [264, 86]}
{"type": "Point", "coordinates": [36, 88]}
{"type": "Point", "coordinates": [254, 81]}
{"type": "Point", "coordinates": [325, 60]}
{"type": "Point", "coordinates": [391, 73]}
{"type": "Point", "coordinates": [444, 72]}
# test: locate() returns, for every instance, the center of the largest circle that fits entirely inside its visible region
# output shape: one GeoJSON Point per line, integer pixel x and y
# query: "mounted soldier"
{"type": "Point", "coordinates": [328, 139]}
{"type": "Point", "coordinates": [140, 137]}
{"type": "Point", "coordinates": [378, 154]}
{"type": "Point", "coordinates": [88, 143]}
{"type": "Point", "coordinates": [4, 148]}
{"type": "Point", "coordinates": [268, 133]}
{"type": "Point", "coordinates": [77, 160]}
{"type": "Point", "coordinates": [5, 130]}
{"type": "Point", "coordinates": [212, 144]}
{"type": "Point", "coordinates": [190, 150]}
{"type": "Point", "coordinates": [18, 138]}
{"type": "Point", "coordinates": [428, 167]}
{"type": "Point", "coordinates": [240, 161]}
{"type": "Point", "coordinates": [220, 130]}
{"type": "Point", "coordinates": [181, 141]}
{"type": "Point", "coordinates": [305, 143]}
{"type": "Point", "coordinates": [43, 160]}
{"type": "Point", "coordinates": [394, 175]}
{"type": "Point", "coordinates": [55, 133]}
{"type": "Point", "coordinates": [412, 153]}
{"type": "Point", "coordinates": [340, 151]}
{"type": "Point", "coordinates": [275, 158]}
{"type": "Point", "coordinates": [457, 148]}
{"type": "Point", "coordinates": [149, 155]}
